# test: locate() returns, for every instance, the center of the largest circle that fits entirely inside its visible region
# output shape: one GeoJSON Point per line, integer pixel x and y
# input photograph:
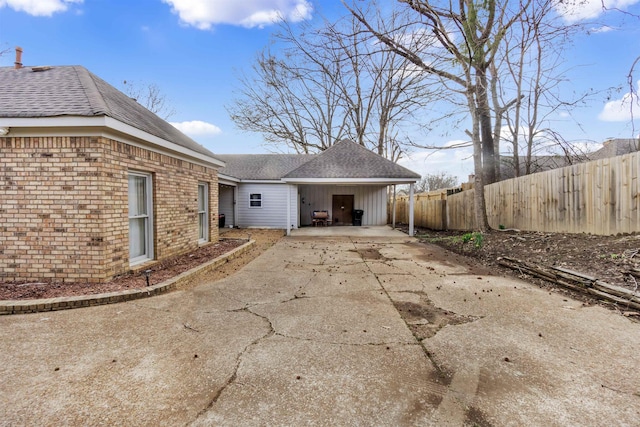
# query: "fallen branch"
{"type": "Point", "coordinates": [576, 281]}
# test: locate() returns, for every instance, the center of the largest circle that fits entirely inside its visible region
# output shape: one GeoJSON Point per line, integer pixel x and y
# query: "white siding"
{"type": "Point", "coordinates": [273, 212]}
{"type": "Point", "coordinates": [370, 198]}
{"type": "Point", "coordinates": [225, 204]}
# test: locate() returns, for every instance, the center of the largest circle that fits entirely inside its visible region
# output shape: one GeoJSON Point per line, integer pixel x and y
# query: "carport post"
{"type": "Point", "coordinates": [411, 209]}
{"type": "Point", "coordinates": [288, 210]}
{"type": "Point", "coordinates": [393, 212]}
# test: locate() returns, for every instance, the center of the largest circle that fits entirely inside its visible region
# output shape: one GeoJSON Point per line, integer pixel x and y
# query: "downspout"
{"type": "Point", "coordinates": [411, 209]}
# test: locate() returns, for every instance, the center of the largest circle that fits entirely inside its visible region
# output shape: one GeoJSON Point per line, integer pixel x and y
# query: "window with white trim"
{"type": "Point", "coordinates": [203, 212]}
{"type": "Point", "coordinates": [255, 200]}
{"type": "Point", "coordinates": [140, 217]}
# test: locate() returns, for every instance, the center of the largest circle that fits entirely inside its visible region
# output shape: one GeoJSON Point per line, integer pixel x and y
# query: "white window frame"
{"type": "Point", "coordinates": [148, 227]}
{"type": "Point", "coordinates": [203, 215]}
{"type": "Point", "coordinates": [252, 200]}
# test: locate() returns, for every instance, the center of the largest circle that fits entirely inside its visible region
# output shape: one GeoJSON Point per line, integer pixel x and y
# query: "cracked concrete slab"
{"type": "Point", "coordinates": [355, 318]}
{"type": "Point", "coordinates": [305, 382]}
{"type": "Point", "coordinates": [338, 282]}
{"type": "Point", "coordinates": [353, 330]}
{"type": "Point", "coordinates": [263, 288]}
{"type": "Point", "coordinates": [117, 364]}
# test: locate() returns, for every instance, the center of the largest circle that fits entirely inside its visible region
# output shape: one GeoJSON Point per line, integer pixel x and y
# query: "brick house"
{"type": "Point", "coordinates": [92, 184]}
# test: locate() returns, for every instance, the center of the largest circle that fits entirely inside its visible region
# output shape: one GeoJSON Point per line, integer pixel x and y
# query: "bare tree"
{"type": "Point", "coordinates": [634, 98]}
{"type": "Point", "coordinates": [633, 92]}
{"type": "Point", "coordinates": [330, 82]}
{"type": "Point", "coordinates": [290, 105]}
{"type": "Point", "coordinates": [530, 66]}
{"type": "Point", "coordinates": [151, 97]}
{"type": "Point", "coordinates": [436, 181]}
{"type": "Point", "coordinates": [468, 36]}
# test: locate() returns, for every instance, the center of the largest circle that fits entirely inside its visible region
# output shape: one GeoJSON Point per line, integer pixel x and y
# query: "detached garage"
{"type": "Point", "coordinates": [284, 190]}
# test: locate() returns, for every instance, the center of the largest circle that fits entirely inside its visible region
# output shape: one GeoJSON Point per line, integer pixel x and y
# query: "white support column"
{"type": "Point", "coordinates": [235, 206]}
{"type": "Point", "coordinates": [288, 210]}
{"type": "Point", "coordinates": [411, 209]}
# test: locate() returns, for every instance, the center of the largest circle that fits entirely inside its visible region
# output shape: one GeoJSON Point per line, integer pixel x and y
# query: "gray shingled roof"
{"type": "Point", "coordinates": [615, 147]}
{"type": "Point", "coordinates": [345, 159]}
{"type": "Point", "coordinates": [74, 91]}
{"type": "Point", "coordinates": [349, 160]}
{"type": "Point", "coordinates": [261, 166]}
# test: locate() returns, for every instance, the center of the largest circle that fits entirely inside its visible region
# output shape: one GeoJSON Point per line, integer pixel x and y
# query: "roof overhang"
{"type": "Point", "coordinates": [103, 126]}
{"type": "Point", "coordinates": [350, 181]}
{"type": "Point", "coordinates": [227, 180]}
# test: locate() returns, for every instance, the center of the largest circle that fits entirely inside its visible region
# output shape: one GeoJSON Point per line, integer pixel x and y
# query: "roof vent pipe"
{"type": "Point", "coordinates": [18, 63]}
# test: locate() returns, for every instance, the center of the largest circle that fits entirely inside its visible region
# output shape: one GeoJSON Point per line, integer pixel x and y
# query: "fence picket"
{"type": "Point", "coordinates": [599, 197]}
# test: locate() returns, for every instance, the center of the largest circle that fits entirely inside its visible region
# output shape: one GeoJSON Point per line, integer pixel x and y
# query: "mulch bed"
{"type": "Point", "coordinates": [607, 258]}
{"type": "Point", "coordinates": [160, 272]}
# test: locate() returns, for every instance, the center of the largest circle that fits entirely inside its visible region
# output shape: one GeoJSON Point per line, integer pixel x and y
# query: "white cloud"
{"type": "Point", "coordinates": [197, 128]}
{"type": "Point", "coordinates": [602, 29]}
{"type": "Point", "coordinates": [202, 14]}
{"type": "Point", "coordinates": [39, 7]}
{"type": "Point", "coordinates": [619, 110]}
{"type": "Point", "coordinates": [579, 10]}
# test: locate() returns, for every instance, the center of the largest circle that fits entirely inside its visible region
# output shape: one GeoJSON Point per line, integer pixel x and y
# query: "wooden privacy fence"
{"type": "Point", "coordinates": [599, 197]}
{"type": "Point", "coordinates": [429, 210]}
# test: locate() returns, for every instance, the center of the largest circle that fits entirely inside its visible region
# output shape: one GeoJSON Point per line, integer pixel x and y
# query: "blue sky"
{"type": "Point", "coordinates": [195, 49]}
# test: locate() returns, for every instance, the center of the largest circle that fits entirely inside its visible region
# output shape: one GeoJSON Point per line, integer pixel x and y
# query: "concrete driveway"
{"type": "Point", "coordinates": [333, 330]}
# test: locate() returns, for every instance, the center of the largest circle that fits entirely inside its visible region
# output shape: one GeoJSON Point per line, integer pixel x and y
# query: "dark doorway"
{"type": "Point", "coordinates": [342, 209]}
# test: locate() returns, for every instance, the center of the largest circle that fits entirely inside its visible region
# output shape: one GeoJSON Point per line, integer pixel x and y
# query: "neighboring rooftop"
{"type": "Point", "coordinates": [615, 147]}
{"type": "Point", "coordinates": [610, 148]}
{"type": "Point", "coordinates": [34, 92]}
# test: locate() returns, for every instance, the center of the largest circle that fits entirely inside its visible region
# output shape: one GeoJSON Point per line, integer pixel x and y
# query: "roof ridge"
{"type": "Point", "coordinates": [94, 96]}
{"type": "Point", "coordinates": [348, 159]}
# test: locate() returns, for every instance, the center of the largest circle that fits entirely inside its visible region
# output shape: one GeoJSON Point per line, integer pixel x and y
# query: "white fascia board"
{"type": "Point", "coordinates": [262, 181]}
{"type": "Point", "coordinates": [227, 180]}
{"type": "Point", "coordinates": [59, 126]}
{"type": "Point", "coordinates": [366, 181]}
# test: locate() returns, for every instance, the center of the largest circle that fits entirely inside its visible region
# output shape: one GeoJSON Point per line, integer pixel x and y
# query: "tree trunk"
{"type": "Point", "coordinates": [486, 129]}
{"type": "Point", "coordinates": [482, 224]}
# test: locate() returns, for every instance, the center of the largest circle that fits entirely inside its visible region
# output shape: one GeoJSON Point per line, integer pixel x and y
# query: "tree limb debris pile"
{"type": "Point", "coordinates": [579, 282]}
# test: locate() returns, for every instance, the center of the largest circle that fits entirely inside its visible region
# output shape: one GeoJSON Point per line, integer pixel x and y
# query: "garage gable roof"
{"type": "Point", "coordinates": [348, 160]}
{"type": "Point", "coordinates": [37, 92]}
{"type": "Point", "coordinates": [345, 160]}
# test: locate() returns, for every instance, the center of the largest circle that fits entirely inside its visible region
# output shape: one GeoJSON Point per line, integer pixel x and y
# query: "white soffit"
{"type": "Point", "coordinates": [64, 125]}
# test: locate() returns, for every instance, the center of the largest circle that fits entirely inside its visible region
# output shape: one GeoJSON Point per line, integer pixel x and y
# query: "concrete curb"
{"type": "Point", "coordinates": [78, 301]}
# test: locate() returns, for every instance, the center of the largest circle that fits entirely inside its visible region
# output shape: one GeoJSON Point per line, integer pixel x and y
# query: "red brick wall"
{"type": "Point", "coordinates": [64, 207]}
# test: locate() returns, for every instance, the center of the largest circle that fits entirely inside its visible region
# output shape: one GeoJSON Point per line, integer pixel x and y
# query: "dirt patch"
{"type": "Point", "coordinates": [370, 254]}
{"type": "Point", "coordinates": [425, 319]}
{"type": "Point", "coordinates": [475, 418]}
{"type": "Point", "coordinates": [161, 271]}
{"type": "Point", "coordinates": [607, 258]}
